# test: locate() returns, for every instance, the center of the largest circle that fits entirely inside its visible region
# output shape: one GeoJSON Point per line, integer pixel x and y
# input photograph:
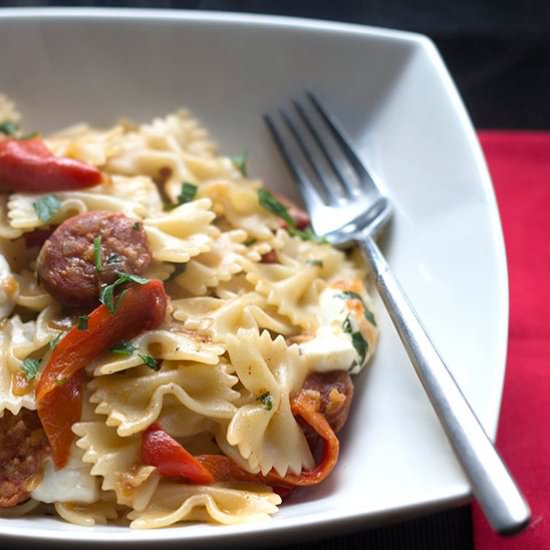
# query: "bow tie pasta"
{"type": "Point", "coordinates": [171, 349]}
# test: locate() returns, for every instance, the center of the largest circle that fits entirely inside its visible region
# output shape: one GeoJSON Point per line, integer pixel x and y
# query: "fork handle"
{"type": "Point", "coordinates": [492, 485]}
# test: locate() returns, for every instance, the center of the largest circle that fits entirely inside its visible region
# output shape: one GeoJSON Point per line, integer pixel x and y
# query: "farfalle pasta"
{"type": "Point", "coordinates": [176, 343]}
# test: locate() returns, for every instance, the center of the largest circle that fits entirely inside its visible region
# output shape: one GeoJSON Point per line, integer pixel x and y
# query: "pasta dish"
{"type": "Point", "coordinates": [176, 342]}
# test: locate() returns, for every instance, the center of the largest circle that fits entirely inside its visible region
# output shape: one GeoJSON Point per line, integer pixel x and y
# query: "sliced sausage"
{"type": "Point", "coordinates": [334, 390]}
{"type": "Point", "coordinates": [270, 257]}
{"type": "Point", "coordinates": [67, 261]}
{"type": "Point", "coordinates": [23, 449]}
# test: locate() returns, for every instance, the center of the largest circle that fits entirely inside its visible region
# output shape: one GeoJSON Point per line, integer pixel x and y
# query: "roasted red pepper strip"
{"type": "Point", "coordinates": [28, 166]}
{"type": "Point", "coordinates": [58, 410]}
{"type": "Point", "coordinates": [142, 308]}
{"type": "Point", "coordinates": [222, 468]}
{"type": "Point", "coordinates": [172, 460]}
{"type": "Point", "coordinates": [306, 406]}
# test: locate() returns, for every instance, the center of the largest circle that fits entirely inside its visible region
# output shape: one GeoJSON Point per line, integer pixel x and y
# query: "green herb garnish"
{"type": "Point", "coordinates": [250, 242]}
{"type": "Point", "coordinates": [346, 325]}
{"type": "Point", "coordinates": [97, 254]}
{"type": "Point", "coordinates": [30, 368]}
{"type": "Point", "coordinates": [106, 296]}
{"type": "Point", "coordinates": [317, 263]}
{"type": "Point", "coordinates": [240, 162]}
{"type": "Point", "coordinates": [124, 348]}
{"type": "Point", "coordinates": [47, 207]}
{"type": "Point", "coordinates": [8, 128]}
{"type": "Point", "coordinates": [276, 207]}
{"type": "Point", "coordinates": [187, 193]}
{"type": "Point", "coordinates": [82, 322]}
{"type": "Point", "coordinates": [350, 295]}
{"type": "Point", "coordinates": [266, 400]}
{"type": "Point", "coordinates": [52, 344]}
{"type": "Point", "coordinates": [307, 234]}
{"type": "Point", "coordinates": [149, 360]}
{"type": "Point", "coordinates": [369, 315]}
{"type": "Point", "coordinates": [136, 226]}
{"type": "Point", "coordinates": [360, 344]}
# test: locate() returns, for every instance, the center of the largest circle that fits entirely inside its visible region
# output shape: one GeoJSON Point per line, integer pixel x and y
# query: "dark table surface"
{"type": "Point", "coordinates": [498, 53]}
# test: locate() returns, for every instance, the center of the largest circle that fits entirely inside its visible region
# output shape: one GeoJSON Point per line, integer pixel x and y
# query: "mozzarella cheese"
{"type": "Point", "coordinates": [332, 348]}
{"type": "Point", "coordinates": [73, 483]}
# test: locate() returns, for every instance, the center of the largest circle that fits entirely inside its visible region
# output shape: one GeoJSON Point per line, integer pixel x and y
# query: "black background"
{"type": "Point", "coordinates": [498, 52]}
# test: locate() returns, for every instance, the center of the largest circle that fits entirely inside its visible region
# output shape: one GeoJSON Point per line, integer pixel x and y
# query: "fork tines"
{"type": "Point", "coordinates": [331, 165]}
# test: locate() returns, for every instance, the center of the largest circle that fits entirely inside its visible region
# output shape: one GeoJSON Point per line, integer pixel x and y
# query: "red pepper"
{"type": "Point", "coordinates": [161, 450]}
{"type": "Point", "coordinates": [222, 468]}
{"type": "Point", "coordinates": [28, 166]}
{"type": "Point", "coordinates": [58, 389]}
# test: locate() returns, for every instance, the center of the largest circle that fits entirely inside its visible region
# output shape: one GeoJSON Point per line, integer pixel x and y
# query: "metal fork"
{"type": "Point", "coordinates": [346, 206]}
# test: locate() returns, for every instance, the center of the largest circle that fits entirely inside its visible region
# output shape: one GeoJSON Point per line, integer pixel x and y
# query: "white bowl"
{"type": "Point", "coordinates": [393, 94]}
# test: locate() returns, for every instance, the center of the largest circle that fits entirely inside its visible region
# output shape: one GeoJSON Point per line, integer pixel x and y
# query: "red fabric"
{"type": "Point", "coordinates": [519, 163]}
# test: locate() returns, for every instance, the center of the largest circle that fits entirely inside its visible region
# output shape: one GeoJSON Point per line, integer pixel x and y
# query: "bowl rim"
{"type": "Point", "coordinates": [320, 524]}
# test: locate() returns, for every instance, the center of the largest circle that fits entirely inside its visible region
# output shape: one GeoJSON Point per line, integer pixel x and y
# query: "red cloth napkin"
{"type": "Point", "coordinates": [519, 163]}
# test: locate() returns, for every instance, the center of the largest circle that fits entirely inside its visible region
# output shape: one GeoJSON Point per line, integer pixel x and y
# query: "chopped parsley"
{"type": "Point", "coordinates": [127, 349]}
{"type": "Point", "coordinates": [350, 295]}
{"type": "Point", "coordinates": [82, 323]}
{"type": "Point", "coordinates": [369, 316]}
{"type": "Point", "coordinates": [124, 348]}
{"type": "Point", "coordinates": [250, 242]}
{"type": "Point", "coordinates": [276, 207]}
{"type": "Point", "coordinates": [359, 343]}
{"type": "Point", "coordinates": [307, 234]}
{"type": "Point", "coordinates": [8, 128]}
{"type": "Point", "coordinates": [107, 294]}
{"type": "Point", "coordinates": [30, 368]}
{"type": "Point", "coordinates": [240, 163]}
{"type": "Point", "coordinates": [97, 254]}
{"type": "Point", "coordinates": [52, 344]}
{"type": "Point", "coordinates": [187, 193]}
{"type": "Point", "coordinates": [149, 360]}
{"type": "Point", "coordinates": [317, 263]}
{"type": "Point", "coordinates": [266, 400]}
{"type": "Point", "coordinates": [346, 325]}
{"type": "Point", "coordinates": [47, 207]}
{"type": "Point", "coordinates": [136, 226]}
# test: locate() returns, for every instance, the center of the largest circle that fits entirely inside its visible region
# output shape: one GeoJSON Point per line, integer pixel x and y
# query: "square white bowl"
{"type": "Point", "coordinates": [394, 96]}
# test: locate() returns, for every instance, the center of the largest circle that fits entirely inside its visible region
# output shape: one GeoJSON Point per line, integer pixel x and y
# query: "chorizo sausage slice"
{"type": "Point", "coordinates": [334, 390]}
{"type": "Point", "coordinates": [67, 263]}
{"type": "Point", "coordinates": [23, 449]}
